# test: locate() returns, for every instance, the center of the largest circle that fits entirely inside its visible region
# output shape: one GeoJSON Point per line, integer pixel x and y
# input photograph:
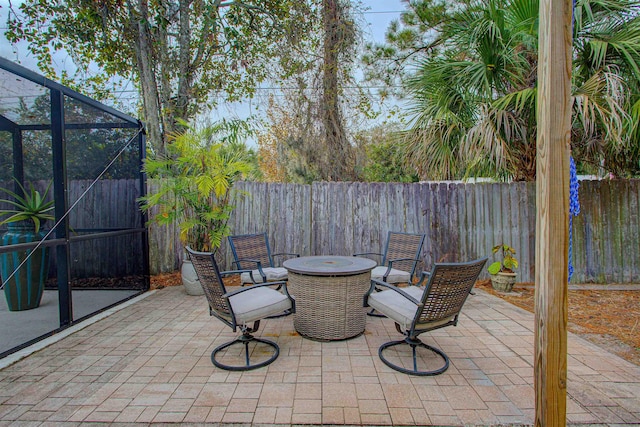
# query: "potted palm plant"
{"type": "Point", "coordinates": [24, 272]}
{"type": "Point", "coordinates": [194, 187]}
{"type": "Point", "coordinates": [503, 275]}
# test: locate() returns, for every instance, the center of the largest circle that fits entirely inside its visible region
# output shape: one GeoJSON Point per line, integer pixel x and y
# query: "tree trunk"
{"type": "Point", "coordinates": [166, 65]}
{"type": "Point", "coordinates": [185, 75]}
{"type": "Point", "coordinates": [338, 162]}
{"type": "Point", "coordinates": [146, 73]}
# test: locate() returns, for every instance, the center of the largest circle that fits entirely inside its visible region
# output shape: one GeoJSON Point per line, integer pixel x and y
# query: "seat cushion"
{"type": "Point", "coordinates": [395, 276]}
{"type": "Point", "coordinates": [273, 275]}
{"type": "Point", "coordinates": [401, 310]}
{"type": "Point", "coordinates": [256, 304]}
{"type": "Point", "coordinates": [395, 306]}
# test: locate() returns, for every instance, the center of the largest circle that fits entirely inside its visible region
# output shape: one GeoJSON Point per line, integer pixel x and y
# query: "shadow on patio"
{"type": "Point", "coordinates": [150, 362]}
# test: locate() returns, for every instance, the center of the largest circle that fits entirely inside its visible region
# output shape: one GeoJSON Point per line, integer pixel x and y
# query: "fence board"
{"type": "Point", "coordinates": [461, 221]}
{"type": "Point", "coordinates": [633, 244]}
{"type": "Point", "coordinates": [109, 204]}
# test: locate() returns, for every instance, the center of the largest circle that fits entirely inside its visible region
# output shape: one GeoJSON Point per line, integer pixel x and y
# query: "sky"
{"type": "Point", "coordinates": [377, 14]}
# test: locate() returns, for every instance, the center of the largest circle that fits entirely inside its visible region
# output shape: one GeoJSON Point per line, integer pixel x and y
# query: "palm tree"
{"type": "Point", "coordinates": [607, 84]}
{"type": "Point", "coordinates": [474, 94]}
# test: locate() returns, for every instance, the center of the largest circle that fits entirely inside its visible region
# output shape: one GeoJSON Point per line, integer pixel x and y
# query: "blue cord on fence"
{"type": "Point", "coordinates": [574, 208]}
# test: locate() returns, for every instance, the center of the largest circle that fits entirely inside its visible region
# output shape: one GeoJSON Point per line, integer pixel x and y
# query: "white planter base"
{"type": "Point", "coordinates": [190, 279]}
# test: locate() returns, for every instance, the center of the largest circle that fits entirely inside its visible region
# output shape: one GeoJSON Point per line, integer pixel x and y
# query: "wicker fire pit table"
{"type": "Point", "coordinates": [328, 292]}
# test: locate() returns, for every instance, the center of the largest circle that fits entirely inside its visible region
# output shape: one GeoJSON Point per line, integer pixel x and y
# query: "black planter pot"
{"type": "Point", "coordinates": [24, 290]}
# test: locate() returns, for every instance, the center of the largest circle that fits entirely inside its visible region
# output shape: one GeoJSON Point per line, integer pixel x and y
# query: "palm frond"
{"type": "Point", "coordinates": [520, 101]}
{"type": "Point", "coordinates": [599, 106]}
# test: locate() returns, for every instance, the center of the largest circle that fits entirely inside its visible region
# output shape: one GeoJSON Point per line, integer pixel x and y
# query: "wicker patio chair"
{"type": "Point", "coordinates": [239, 308]}
{"type": "Point", "coordinates": [400, 258]}
{"type": "Point", "coordinates": [398, 263]}
{"type": "Point", "coordinates": [252, 252]}
{"type": "Point", "coordinates": [417, 309]}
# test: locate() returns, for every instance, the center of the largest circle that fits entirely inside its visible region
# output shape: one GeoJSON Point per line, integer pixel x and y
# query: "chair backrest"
{"type": "Point", "coordinates": [403, 245]}
{"type": "Point", "coordinates": [211, 281]}
{"type": "Point", "coordinates": [251, 246]}
{"type": "Point", "coordinates": [447, 289]}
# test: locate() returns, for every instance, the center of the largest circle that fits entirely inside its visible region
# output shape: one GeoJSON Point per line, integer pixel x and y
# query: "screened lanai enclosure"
{"type": "Point", "coordinates": [92, 253]}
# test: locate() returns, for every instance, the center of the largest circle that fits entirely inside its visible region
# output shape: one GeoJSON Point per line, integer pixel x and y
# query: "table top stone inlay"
{"type": "Point", "coordinates": [329, 265]}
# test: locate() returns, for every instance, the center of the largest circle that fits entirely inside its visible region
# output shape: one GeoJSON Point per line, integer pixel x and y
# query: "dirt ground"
{"type": "Point", "coordinates": [609, 318]}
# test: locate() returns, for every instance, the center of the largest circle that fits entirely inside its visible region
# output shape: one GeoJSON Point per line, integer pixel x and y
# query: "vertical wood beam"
{"type": "Point", "coordinates": [552, 202]}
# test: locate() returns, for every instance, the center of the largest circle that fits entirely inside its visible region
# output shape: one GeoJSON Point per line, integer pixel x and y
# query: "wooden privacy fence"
{"type": "Point", "coordinates": [461, 222]}
{"type": "Point", "coordinates": [109, 205]}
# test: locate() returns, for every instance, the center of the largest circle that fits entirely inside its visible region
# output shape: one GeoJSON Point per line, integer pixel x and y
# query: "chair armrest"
{"type": "Point", "coordinates": [390, 266]}
{"type": "Point", "coordinates": [286, 255]}
{"type": "Point", "coordinates": [375, 256]}
{"type": "Point", "coordinates": [230, 272]}
{"type": "Point", "coordinates": [248, 288]}
{"type": "Point", "coordinates": [367, 253]}
{"type": "Point", "coordinates": [258, 267]}
{"type": "Point", "coordinates": [424, 275]}
{"type": "Point", "coordinates": [391, 261]}
{"type": "Point", "coordinates": [375, 283]}
{"type": "Point", "coordinates": [255, 261]}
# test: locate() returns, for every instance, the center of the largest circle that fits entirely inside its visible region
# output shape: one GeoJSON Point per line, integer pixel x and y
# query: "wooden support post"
{"type": "Point", "coordinates": [552, 201]}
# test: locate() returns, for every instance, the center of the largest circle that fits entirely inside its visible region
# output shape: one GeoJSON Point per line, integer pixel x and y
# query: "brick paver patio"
{"type": "Point", "coordinates": [150, 363]}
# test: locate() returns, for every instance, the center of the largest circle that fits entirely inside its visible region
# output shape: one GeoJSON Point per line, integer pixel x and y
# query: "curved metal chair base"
{"type": "Point", "coordinates": [245, 340]}
{"type": "Point", "coordinates": [374, 313]}
{"type": "Point", "coordinates": [414, 343]}
{"type": "Point", "coordinates": [283, 314]}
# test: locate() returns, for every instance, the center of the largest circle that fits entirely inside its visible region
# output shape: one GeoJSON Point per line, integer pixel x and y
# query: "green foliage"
{"type": "Point", "coordinates": [28, 206]}
{"type": "Point", "coordinates": [196, 182]}
{"type": "Point", "coordinates": [88, 151]}
{"type": "Point", "coordinates": [385, 164]}
{"type": "Point", "coordinates": [508, 264]}
{"type": "Point", "coordinates": [181, 55]}
{"type": "Point", "coordinates": [312, 129]}
{"type": "Point", "coordinates": [470, 70]}
{"type": "Point", "coordinates": [383, 156]}
{"type": "Point", "coordinates": [410, 36]}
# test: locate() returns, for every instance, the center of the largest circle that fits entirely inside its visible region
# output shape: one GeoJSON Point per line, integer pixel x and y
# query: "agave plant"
{"type": "Point", "coordinates": [28, 206]}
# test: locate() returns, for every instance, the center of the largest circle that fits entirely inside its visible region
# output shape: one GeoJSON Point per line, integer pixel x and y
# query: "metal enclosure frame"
{"type": "Point", "coordinates": [62, 238]}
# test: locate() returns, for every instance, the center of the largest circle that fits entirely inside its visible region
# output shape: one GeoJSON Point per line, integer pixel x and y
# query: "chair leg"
{"type": "Point", "coordinates": [374, 313]}
{"type": "Point", "coordinates": [414, 344]}
{"type": "Point", "coordinates": [283, 314]}
{"type": "Point", "coordinates": [244, 340]}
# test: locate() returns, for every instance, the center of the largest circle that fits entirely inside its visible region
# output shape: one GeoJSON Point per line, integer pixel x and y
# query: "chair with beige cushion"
{"type": "Point", "coordinates": [400, 258]}
{"type": "Point", "coordinates": [398, 263]}
{"type": "Point", "coordinates": [252, 252]}
{"type": "Point", "coordinates": [238, 309]}
{"type": "Point", "coordinates": [417, 309]}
